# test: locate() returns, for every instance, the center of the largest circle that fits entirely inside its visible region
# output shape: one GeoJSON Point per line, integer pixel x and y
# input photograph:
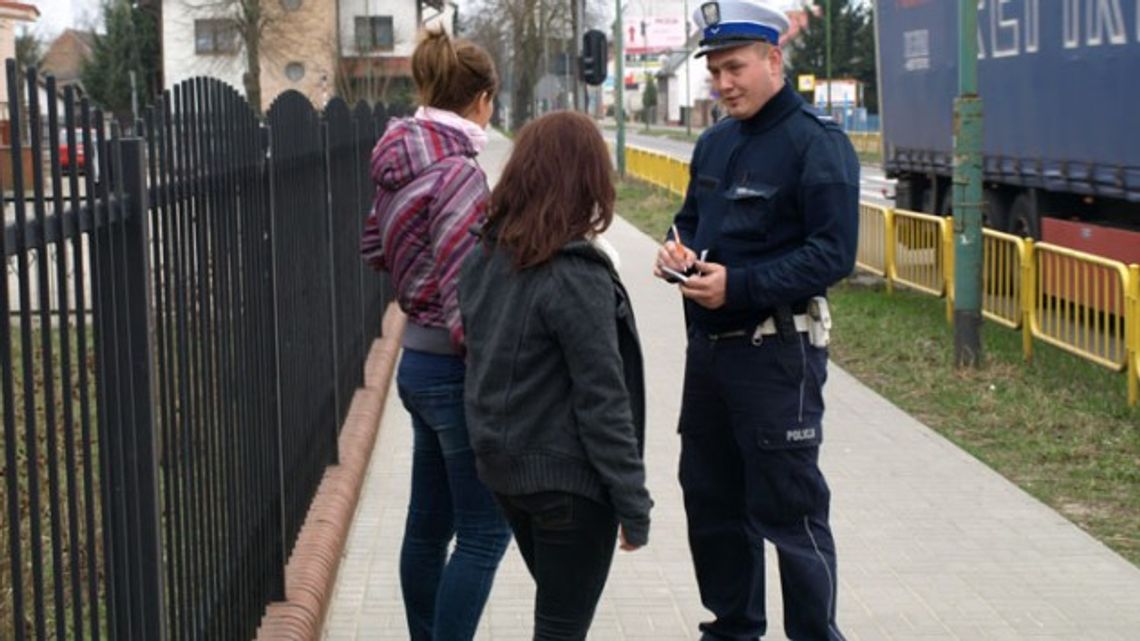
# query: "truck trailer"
{"type": "Point", "coordinates": [1060, 83]}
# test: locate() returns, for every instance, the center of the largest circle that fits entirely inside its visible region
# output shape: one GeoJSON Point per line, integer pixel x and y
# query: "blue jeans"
{"type": "Point", "coordinates": [444, 597]}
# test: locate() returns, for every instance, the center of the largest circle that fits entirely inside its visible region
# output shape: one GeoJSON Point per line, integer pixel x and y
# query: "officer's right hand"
{"type": "Point", "coordinates": [676, 257]}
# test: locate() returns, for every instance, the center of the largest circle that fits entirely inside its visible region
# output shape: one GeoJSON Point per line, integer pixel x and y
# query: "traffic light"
{"type": "Point", "coordinates": [595, 58]}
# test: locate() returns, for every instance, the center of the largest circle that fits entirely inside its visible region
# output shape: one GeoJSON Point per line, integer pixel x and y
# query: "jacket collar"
{"type": "Point", "coordinates": [581, 247]}
{"type": "Point", "coordinates": [586, 249]}
{"type": "Point", "coordinates": [774, 111]}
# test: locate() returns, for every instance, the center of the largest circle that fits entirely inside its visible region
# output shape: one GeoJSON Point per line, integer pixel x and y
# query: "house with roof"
{"type": "Point", "coordinates": [66, 55]}
{"type": "Point", "coordinates": [360, 49]}
{"type": "Point", "coordinates": [684, 82]}
{"type": "Point", "coordinates": [376, 39]}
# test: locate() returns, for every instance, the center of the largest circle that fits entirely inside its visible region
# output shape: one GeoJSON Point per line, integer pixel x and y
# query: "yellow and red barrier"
{"type": "Point", "coordinates": [1084, 304]}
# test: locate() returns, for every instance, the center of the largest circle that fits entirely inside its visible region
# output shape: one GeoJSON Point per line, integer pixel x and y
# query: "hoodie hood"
{"type": "Point", "coordinates": [410, 146]}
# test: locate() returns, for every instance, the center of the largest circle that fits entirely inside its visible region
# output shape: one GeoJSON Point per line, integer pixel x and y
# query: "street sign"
{"type": "Point", "coordinates": [807, 82]}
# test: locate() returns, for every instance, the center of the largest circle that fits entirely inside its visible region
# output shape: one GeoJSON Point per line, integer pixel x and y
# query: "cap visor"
{"type": "Point", "coordinates": [726, 44]}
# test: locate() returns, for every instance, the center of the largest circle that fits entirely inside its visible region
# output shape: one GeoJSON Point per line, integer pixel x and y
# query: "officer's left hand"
{"type": "Point", "coordinates": [706, 287]}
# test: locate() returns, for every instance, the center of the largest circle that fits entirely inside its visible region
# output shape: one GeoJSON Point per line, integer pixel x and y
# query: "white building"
{"type": "Point", "coordinates": [318, 47]}
{"type": "Point", "coordinates": [684, 84]}
{"type": "Point", "coordinates": [11, 14]}
{"type": "Point", "coordinates": [684, 81]}
{"type": "Point", "coordinates": [376, 41]}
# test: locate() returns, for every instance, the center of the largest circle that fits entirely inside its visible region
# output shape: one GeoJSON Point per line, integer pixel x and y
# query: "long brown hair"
{"type": "Point", "coordinates": [557, 187]}
{"type": "Point", "coordinates": [451, 74]}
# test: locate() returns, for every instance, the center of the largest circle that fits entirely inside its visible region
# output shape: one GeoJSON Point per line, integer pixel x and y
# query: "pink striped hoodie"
{"type": "Point", "coordinates": [430, 191]}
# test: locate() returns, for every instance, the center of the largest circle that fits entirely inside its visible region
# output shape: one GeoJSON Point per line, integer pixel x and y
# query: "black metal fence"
{"type": "Point", "coordinates": [184, 322]}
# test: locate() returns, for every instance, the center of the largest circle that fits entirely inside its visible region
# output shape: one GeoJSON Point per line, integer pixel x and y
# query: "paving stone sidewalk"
{"type": "Point", "coordinates": [932, 543]}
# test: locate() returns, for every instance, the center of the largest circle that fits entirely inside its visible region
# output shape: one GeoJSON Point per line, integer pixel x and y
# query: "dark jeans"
{"type": "Point", "coordinates": [567, 542]}
{"type": "Point", "coordinates": [750, 437]}
{"type": "Point", "coordinates": [444, 597]}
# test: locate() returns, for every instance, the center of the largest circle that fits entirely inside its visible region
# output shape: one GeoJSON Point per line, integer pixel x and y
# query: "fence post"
{"type": "Point", "coordinates": [1133, 311]}
{"type": "Point", "coordinates": [276, 589]}
{"type": "Point", "coordinates": [889, 249]}
{"type": "Point", "coordinates": [140, 443]}
{"type": "Point", "coordinates": [327, 207]}
{"type": "Point", "coordinates": [948, 266]}
{"type": "Point", "coordinates": [1028, 296]}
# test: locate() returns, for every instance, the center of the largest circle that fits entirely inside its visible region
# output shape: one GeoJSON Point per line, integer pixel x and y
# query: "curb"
{"type": "Point", "coordinates": [310, 575]}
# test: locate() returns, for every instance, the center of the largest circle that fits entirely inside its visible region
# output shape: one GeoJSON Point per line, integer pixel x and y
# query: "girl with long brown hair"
{"type": "Point", "coordinates": [555, 389]}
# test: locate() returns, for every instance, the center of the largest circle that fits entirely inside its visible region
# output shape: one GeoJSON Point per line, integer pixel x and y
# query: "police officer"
{"type": "Point", "coordinates": [769, 222]}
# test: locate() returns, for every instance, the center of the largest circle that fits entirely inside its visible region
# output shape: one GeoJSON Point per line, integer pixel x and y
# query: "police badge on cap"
{"type": "Point", "coordinates": [733, 23]}
{"type": "Point", "coordinates": [711, 13]}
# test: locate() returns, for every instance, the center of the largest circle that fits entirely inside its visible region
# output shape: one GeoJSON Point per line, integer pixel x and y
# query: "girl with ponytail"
{"type": "Point", "coordinates": [430, 192]}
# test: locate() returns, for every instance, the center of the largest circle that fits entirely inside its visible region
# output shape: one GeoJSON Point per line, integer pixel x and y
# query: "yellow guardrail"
{"type": "Point", "coordinates": [1084, 304]}
{"type": "Point", "coordinates": [658, 169]}
{"type": "Point", "coordinates": [1080, 304]}
{"type": "Point", "coordinates": [874, 253]}
{"type": "Point", "coordinates": [869, 142]}
{"type": "Point", "coordinates": [871, 254]}
{"type": "Point", "coordinates": [1003, 259]}
{"type": "Point", "coordinates": [919, 243]}
{"type": "Point", "coordinates": [1134, 339]}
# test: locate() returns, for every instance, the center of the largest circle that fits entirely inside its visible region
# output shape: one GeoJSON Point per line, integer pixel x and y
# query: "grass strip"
{"type": "Point", "coordinates": [1058, 426]}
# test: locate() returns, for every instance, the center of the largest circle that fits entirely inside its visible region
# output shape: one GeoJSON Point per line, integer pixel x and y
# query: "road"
{"type": "Point", "coordinates": [874, 187]}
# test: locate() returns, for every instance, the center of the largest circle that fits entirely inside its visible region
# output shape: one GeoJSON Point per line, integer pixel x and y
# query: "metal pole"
{"type": "Point", "coordinates": [134, 98]}
{"type": "Point", "coordinates": [827, 35]}
{"type": "Point", "coordinates": [142, 450]}
{"type": "Point", "coordinates": [619, 89]}
{"type": "Point", "coordinates": [545, 53]}
{"type": "Point", "coordinates": [648, 76]}
{"type": "Point", "coordinates": [579, 96]}
{"type": "Point", "coordinates": [583, 88]}
{"type": "Point", "coordinates": [688, 77]}
{"type": "Point", "coordinates": [967, 194]}
{"type": "Point", "coordinates": [371, 60]}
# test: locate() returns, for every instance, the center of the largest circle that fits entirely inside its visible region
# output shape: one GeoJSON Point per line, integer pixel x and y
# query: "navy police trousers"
{"type": "Point", "coordinates": [750, 435]}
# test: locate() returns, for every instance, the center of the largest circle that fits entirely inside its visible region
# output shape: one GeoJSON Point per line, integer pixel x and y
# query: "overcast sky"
{"type": "Point", "coordinates": [465, 5]}
{"type": "Point", "coordinates": [57, 15]}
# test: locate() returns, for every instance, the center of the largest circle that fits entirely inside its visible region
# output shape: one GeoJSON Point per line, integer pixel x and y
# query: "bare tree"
{"type": "Point", "coordinates": [521, 43]}
{"type": "Point", "coordinates": [353, 84]}
{"type": "Point", "coordinates": [29, 49]}
{"type": "Point", "coordinates": [484, 27]}
{"type": "Point", "coordinates": [252, 21]}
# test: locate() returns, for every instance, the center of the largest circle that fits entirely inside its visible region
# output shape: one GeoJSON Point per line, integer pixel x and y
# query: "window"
{"type": "Point", "coordinates": [214, 36]}
{"type": "Point", "coordinates": [374, 33]}
{"type": "Point", "coordinates": [294, 71]}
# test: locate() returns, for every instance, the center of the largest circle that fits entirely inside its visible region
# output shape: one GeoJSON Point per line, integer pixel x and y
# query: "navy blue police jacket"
{"type": "Point", "coordinates": [775, 199]}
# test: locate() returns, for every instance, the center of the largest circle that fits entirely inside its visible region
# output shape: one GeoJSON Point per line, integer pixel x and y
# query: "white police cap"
{"type": "Point", "coordinates": [732, 23]}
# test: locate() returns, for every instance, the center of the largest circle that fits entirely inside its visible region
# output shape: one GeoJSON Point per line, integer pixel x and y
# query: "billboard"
{"type": "Point", "coordinates": [654, 34]}
{"type": "Point", "coordinates": [844, 93]}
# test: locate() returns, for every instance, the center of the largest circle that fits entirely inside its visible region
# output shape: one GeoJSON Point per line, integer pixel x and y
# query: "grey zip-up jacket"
{"type": "Point", "coordinates": [555, 391]}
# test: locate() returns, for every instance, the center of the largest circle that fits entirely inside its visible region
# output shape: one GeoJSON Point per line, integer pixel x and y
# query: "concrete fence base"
{"type": "Point", "coordinates": [310, 575]}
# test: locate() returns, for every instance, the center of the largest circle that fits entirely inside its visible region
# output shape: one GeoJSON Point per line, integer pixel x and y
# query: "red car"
{"type": "Point", "coordinates": [66, 155]}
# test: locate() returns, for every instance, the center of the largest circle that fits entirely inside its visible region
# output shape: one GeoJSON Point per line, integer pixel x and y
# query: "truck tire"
{"type": "Point", "coordinates": [995, 212]}
{"type": "Point", "coordinates": [1024, 220]}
